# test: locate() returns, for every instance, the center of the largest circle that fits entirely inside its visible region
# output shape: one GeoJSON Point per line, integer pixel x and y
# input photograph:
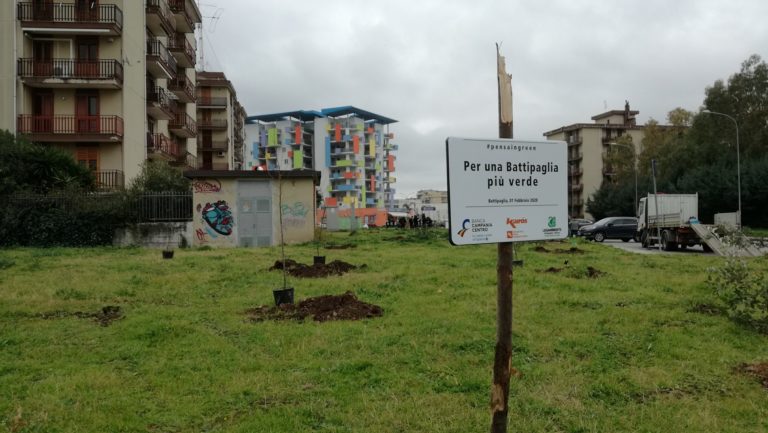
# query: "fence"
{"type": "Point", "coordinates": [147, 207]}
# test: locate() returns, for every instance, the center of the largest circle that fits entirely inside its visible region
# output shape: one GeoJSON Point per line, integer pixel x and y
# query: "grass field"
{"type": "Point", "coordinates": [628, 351]}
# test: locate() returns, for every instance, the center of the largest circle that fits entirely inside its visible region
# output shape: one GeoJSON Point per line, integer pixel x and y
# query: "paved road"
{"type": "Point", "coordinates": [635, 247]}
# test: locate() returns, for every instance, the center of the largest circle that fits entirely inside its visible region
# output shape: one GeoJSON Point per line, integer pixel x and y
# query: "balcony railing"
{"type": "Point", "coordinates": [183, 88]}
{"type": "Point", "coordinates": [158, 55]}
{"type": "Point", "coordinates": [68, 15]}
{"type": "Point", "coordinates": [162, 145]}
{"type": "Point", "coordinates": [183, 125]}
{"type": "Point", "coordinates": [67, 69]}
{"type": "Point", "coordinates": [183, 50]}
{"type": "Point", "coordinates": [159, 17]}
{"type": "Point", "coordinates": [49, 128]}
{"type": "Point", "coordinates": [211, 102]}
{"type": "Point", "coordinates": [184, 22]}
{"type": "Point", "coordinates": [574, 156]}
{"type": "Point", "coordinates": [159, 103]}
{"type": "Point", "coordinates": [212, 124]}
{"type": "Point", "coordinates": [109, 180]}
{"type": "Point", "coordinates": [186, 160]}
{"type": "Point", "coordinates": [213, 145]}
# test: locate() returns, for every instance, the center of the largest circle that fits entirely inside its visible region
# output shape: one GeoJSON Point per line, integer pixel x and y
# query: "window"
{"type": "Point", "coordinates": [88, 156]}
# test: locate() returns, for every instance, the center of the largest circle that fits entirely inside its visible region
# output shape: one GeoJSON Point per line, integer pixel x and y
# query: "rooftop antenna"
{"type": "Point", "coordinates": [214, 19]}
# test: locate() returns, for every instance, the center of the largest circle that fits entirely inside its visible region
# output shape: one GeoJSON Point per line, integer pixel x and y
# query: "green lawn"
{"type": "Point", "coordinates": [620, 353]}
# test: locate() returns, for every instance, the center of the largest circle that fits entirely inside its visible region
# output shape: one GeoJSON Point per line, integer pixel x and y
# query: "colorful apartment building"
{"type": "Point", "coordinates": [351, 148]}
{"type": "Point", "coordinates": [112, 82]}
{"type": "Point", "coordinates": [220, 123]}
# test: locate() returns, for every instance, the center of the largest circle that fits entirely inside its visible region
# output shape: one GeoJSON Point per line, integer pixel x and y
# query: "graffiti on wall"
{"type": "Point", "coordinates": [205, 186]}
{"type": "Point", "coordinates": [294, 215]}
{"type": "Point", "coordinates": [217, 220]}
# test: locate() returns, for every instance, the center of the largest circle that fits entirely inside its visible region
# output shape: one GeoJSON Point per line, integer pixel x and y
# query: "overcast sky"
{"type": "Point", "coordinates": [431, 64]}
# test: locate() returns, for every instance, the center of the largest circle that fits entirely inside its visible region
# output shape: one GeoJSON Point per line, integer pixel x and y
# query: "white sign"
{"type": "Point", "coordinates": [506, 190]}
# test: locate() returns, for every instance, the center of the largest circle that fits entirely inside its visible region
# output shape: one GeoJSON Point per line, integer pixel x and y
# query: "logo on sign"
{"type": "Point", "coordinates": [510, 234]}
{"type": "Point", "coordinates": [552, 222]}
{"type": "Point", "coordinates": [464, 227]}
{"type": "Point", "coordinates": [515, 221]}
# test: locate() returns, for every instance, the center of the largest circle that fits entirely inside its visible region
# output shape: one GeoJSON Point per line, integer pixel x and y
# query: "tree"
{"type": "Point", "coordinates": [158, 176]}
{"type": "Point", "coordinates": [30, 167]}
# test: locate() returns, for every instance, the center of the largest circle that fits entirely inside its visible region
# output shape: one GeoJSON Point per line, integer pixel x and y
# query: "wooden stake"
{"type": "Point", "coordinates": [502, 364]}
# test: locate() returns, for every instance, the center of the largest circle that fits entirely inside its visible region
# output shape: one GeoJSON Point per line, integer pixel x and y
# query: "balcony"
{"type": "Point", "coordinates": [182, 50]}
{"type": "Point", "coordinates": [574, 156]}
{"type": "Point", "coordinates": [159, 18]}
{"type": "Point", "coordinates": [213, 102]}
{"type": "Point", "coordinates": [574, 171]}
{"type": "Point", "coordinates": [160, 146]}
{"type": "Point", "coordinates": [213, 145]}
{"type": "Point", "coordinates": [183, 125]}
{"type": "Point", "coordinates": [212, 124]}
{"type": "Point", "coordinates": [159, 104]}
{"type": "Point", "coordinates": [109, 180]}
{"type": "Point", "coordinates": [217, 166]}
{"type": "Point", "coordinates": [186, 161]}
{"type": "Point", "coordinates": [183, 12]}
{"type": "Point", "coordinates": [576, 187]}
{"type": "Point", "coordinates": [60, 18]}
{"type": "Point", "coordinates": [71, 73]}
{"type": "Point", "coordinates": [183, 88]}
{"type": "Point", "coordinates": [91, 129]}
{"type": "Point", "coordinates": [574, 140]}
{"type": "Point", "coordinates": [160, 62]}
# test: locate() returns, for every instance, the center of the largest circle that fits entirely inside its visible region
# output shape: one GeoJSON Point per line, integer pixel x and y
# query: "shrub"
{"type": "Point", "coordinates": [745, 293]}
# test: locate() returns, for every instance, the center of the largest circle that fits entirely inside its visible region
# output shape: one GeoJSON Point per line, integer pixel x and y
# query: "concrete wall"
{"type": "Point", "coordinates": [214, 216]}
{"type": "Point", "coordinates": [134, 107]}
{"type": "Point", "coordinates": [9, 33]}
{"type": "Point", "coordinates": [155, 235]}
{"type": "Point", "coordinates": [298, 200]}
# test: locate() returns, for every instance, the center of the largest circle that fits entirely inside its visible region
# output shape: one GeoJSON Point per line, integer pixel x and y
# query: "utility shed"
{"type": "Point", "coordinates": [245, 208]}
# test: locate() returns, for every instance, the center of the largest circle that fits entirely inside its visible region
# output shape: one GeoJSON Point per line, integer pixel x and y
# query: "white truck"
{"type": "Point", "coordinates": [672, 223]}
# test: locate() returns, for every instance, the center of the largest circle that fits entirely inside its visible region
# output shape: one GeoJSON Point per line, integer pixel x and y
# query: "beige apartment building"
{"type": "Point", "coordinates": [220, 122]}
{"type": "Point", "coordinates": [587, 146]}
{"type": "Point", "coordinates": [112, 82]}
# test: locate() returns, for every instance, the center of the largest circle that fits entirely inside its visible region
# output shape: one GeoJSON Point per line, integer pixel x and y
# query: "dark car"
{"type": "Point", "coordinates": [624, 228]}
{"type": "Point", "coordinates": [575, 224]}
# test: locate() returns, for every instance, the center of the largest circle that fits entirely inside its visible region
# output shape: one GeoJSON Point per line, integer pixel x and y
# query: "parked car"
{"type": "Point", "coordinates": [624, 228]}
{"type": "Point", "coordinates": [575, 224]}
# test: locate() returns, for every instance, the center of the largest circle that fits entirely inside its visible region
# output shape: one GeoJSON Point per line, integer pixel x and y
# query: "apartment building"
{"type": "Point", "coordinates": [112, 82]}
{"type": "Point", "coordinates": [220, 123]}
{"type": "Point", "coordinates": [352, 149]}
{"type": "Point", "coordinates": [587, 147]}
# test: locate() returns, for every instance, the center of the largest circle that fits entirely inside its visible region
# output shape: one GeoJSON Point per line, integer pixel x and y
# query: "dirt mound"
{"type": "Point", "coordinates": [594, 273]}
{"type": "Point", "coordinates": [321, 309]}
{"type": "Point", "coordinates": [758, 371]}
{"type": "Point", "coordinates": [552, 270]}
{"type": "Point", "coordinates": [340, 246]}
{"type": "Point", "coordinates": [105, 317]}
{"type": "Point", "coordinates": [571, 250]}
{"type": "Point", "coordinates": [316, 270]}
{"type": "Point", "coordinates": [540, 249]}
{"type": "Point", "coordinates": [708, 309]}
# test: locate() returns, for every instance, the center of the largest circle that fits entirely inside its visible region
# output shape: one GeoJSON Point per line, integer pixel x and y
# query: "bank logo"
{"type": "Point", "coordinates": [552, 222]}
{"type": "Point", "coordinates": [463, 227]}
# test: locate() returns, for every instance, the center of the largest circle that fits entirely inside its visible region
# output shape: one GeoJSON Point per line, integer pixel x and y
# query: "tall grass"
{"type": "Point", "coordinates": [624, 352]}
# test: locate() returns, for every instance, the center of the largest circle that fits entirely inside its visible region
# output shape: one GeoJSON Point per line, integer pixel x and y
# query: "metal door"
{"type": "Point", "coordinates": [254, 202]}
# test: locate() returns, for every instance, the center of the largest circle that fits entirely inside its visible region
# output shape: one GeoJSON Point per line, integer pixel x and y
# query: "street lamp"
{"type": "Point", "coordinates": [634, 157]}
{"type": "Point", "coordinates": [738, 157]}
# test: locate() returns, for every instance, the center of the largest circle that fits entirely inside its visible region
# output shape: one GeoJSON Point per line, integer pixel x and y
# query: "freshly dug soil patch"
{"type": "Point", "coordinates": [553, 270]}
{"type": "Point", "coordinates": [540, 249]}
{"type": "Point", "coordinates": [594, 273]}
{"type": "Point", "coordinates": [105, 317]}
{"type": "Point", "coordinates": [571, 250]}
{"type": "Point", "coordinates": [758, 371]}
{"type": "Point", "coordinates": [316, 270]}
{"type": "Point", "coordinates": [708, 309]}
{"type": "Point", "coordinates": [340, 246]}
{"type": "Point", "coordinates": [321, 309]}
